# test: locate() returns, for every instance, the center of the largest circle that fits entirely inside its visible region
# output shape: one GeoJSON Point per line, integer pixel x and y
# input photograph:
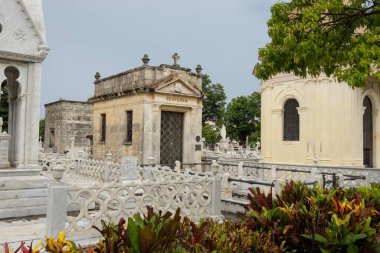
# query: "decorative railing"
{"type": "Point", "coordinates": [327, 176]}
{"type": "Point", "coordinates": [113, 202]}
{"type": "Point", "coordinates": [198, 196]}
{"type": "Point", "coordinates": [81, 170]}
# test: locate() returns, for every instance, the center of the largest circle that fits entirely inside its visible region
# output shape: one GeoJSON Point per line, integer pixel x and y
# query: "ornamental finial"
{"type": "Point", "coordinates": [176, 59]}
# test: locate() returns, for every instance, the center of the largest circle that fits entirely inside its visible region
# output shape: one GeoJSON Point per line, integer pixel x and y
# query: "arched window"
{"type": "Point", "coordinates": [291, 121]}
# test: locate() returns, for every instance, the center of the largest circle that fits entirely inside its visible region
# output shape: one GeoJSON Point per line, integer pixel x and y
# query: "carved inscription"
{"type": "Point", "coordinates": [176, 99]}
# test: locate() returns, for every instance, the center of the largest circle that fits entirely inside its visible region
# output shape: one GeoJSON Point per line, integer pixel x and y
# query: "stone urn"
{"type": "Point", "coordinates": [57, 170]}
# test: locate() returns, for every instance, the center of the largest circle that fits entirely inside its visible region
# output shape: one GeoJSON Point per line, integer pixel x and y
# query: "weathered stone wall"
{"type": "Point", "coordinates": [147, 91]}
{"type": "Point", "coordinates": [68, 119]}
{"type": "Point", "coordinates": [142, 77]}
{"type": "Point", "coordinates": [115, 111]}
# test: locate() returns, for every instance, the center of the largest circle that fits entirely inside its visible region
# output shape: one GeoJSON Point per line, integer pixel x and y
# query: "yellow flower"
{"type": "Point", "coordinates": [38, 247]}
{"type": "Point", "coordinates": [61, 237]}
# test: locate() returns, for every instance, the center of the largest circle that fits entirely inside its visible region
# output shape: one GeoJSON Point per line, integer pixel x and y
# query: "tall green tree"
{"type": "Point", "coordinates": [242, 118]}
{"type": "Point", "coordinates": [214, 103]}
{"type": "Point", "coordinates": [4, 107]}
{"type": "Point", "coordinates": [42, 129]}
{"type": "Point", "coordinates": [336, 37]}
{"type": "Point", "coordinates": [211, 134]}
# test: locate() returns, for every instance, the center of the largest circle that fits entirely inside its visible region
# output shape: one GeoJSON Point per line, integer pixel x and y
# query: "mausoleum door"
{"type": "Point", "coordinates": [171, 140]}
{"type": "Point", "coordinates": [367, 133]}
{"type": "Point", "coordinates": [16, 107]}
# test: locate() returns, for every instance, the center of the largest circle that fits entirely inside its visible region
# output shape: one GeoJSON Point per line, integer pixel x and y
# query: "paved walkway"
{"type": "Point", "coordinates": [17, 230]}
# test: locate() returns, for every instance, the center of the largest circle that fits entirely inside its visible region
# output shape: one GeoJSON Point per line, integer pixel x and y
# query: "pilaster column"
{"type": "Point", "coordinates": [20, 131]}
{"type": "Point", "coordinates": [376, 137]}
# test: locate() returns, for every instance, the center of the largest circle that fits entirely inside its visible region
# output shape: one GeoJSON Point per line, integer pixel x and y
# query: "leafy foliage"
{"type": "Point", "coordinates": [338, 38]}
{"type": "Point", "coordinates": [214, 102]}
{"type": "Point", "coordinates": [242, 118]}
{"type": "Point", "coordinates": [154, 232]}
{"type": "Point", "coordinates": [298, 219]}
{"type": "Point", "coordinates": [211, 135]}
{"type": "Point", "coordinates": [318, 220]}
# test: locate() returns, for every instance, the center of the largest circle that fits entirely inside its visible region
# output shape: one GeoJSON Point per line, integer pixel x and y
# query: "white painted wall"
{"type": "Point", "coordinates": [331, 121]}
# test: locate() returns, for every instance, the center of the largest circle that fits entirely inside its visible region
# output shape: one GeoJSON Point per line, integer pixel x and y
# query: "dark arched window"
{"type": "Point", "coordinates": [291, 121]}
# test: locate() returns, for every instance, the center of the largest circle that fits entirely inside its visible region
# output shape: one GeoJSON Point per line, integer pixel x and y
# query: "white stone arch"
{"type": "Point", "coordinates": [279, 103]}
{"type": "Point", "coordinates": [15, 91]}
{"type": "Point", "coordinates": [285, 95]}
{"type": "Point", "coordinates": [375, 101]}
{"type": "Point", "coordinates": [373, 96]}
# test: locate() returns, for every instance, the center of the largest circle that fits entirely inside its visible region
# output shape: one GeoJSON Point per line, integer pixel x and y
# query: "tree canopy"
{"type": "Point", "coordinates": [242, 118]}
{"type": "Point", "coordinates": [336, 37]}
{"type": "Point", "coordinates": [214, 103]}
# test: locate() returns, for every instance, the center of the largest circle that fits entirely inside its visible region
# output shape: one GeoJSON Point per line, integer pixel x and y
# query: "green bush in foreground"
{"type": "Point", "coordinates": [299, 219]}
{"type": "Point", "coordinates": [319, 220]}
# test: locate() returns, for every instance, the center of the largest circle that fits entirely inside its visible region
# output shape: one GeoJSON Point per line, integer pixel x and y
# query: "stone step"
{"type": "Point", "coordinates": [22, 212]}
{"type": "Point", "coordinates": [23, 203]}
{"type": "Point", "coordinates": [23, 193]}
{"type": "Point", "coordinates": [24, 182]}
{"type": "Point", "coordinates": [19, 172]}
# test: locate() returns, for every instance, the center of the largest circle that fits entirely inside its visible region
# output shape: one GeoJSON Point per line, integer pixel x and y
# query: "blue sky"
{"type": "Point", "coordinates": [85, 36]}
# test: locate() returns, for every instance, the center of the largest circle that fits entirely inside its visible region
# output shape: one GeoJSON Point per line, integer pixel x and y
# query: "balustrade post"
{"type": "Point", "coordinates": [340, 179]}
{"type": "Point", "coordinates": [107, 167]}
{"type": "Point", "coordinates": [216, 192]}
{"type": "Point", "coordinates": [215, 168]}
{"type": "Point", "coordinates": [274, 172]}
{"type": "Point", "coordinates": [316, 177]}
{"type": "Point", "coordinates": [226, 186]}
{"type": "Point", "coordinates": [241, 170]}
{"type": "Point", "coordinates": [56, 210]}
{"type": "Point", "coordinates": [367, 180]}
{"type": "Point", "coordinates": [177, 166]}
{"type": "Point", "coordinates": [260, 172]}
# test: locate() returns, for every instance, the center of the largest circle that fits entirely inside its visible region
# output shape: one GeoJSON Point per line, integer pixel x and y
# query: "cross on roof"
{"type": "Point", "coordinates": [176, 59]}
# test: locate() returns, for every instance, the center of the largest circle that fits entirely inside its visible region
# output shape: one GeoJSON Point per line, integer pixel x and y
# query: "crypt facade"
{"type": "Point", "coordinates": [151, 112]}
{"type": "Point", "coordinates": [22, 50]}
{"type": "Point", "coordinates": [310, 120]}
{"type": "Point", "coordinates": [68, 126]}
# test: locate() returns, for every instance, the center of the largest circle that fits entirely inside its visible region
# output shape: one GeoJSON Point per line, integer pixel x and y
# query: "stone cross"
{"type": "Point", "coordinates": [176, 59]}
{"type": "Point", "coordinates": [128, 168]}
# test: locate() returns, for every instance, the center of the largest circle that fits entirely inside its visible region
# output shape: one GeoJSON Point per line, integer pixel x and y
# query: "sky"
{"type": "Point", "coordinates": [86, 36]}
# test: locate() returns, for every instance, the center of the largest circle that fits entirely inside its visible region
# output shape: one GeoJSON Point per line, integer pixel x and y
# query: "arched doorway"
{"type": "Point", "coordinates": [13, 87]}
{"type": "Point", "coordinates": [367, 133]}
{"type": "Point", "coordinates": [4, 106]}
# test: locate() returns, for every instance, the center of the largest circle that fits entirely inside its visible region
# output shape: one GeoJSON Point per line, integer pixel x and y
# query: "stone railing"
{"type": "Point", "coordinates": [79, 171]}
{"type": "Point", "coordinates": [261, 172]}
{"type": "Point", "coordinates": [80, 208]}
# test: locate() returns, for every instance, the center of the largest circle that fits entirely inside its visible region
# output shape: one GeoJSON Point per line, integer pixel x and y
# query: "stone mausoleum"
{"type": "Point", "coordinates": [151, 112]}
{"type": "Point", "coordinates": [68, 126]}
{"type": "Point", "coordinates": [318, 120]}
{"type": "Point", "coordinates": [22, 50]}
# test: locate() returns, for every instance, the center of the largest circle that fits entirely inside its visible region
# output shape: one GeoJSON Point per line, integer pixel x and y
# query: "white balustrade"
{"type": "Point", "coordinates": [165, 190]}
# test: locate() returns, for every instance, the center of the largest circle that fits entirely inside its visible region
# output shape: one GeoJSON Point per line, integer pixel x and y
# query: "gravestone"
{"type": "Point", "coordinates": [128, 168]}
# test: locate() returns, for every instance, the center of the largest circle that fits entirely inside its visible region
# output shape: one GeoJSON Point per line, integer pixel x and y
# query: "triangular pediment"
{"type": "Point", "coordinates": [178, 86]}
{"type": "Point", "coordinates": [20, 33]}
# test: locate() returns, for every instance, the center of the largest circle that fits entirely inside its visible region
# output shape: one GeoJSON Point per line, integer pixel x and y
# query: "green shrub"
{"type": "Point", "coordinates": [318, 220]}
{"type": "Point", "coordinates": [299, 219]}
